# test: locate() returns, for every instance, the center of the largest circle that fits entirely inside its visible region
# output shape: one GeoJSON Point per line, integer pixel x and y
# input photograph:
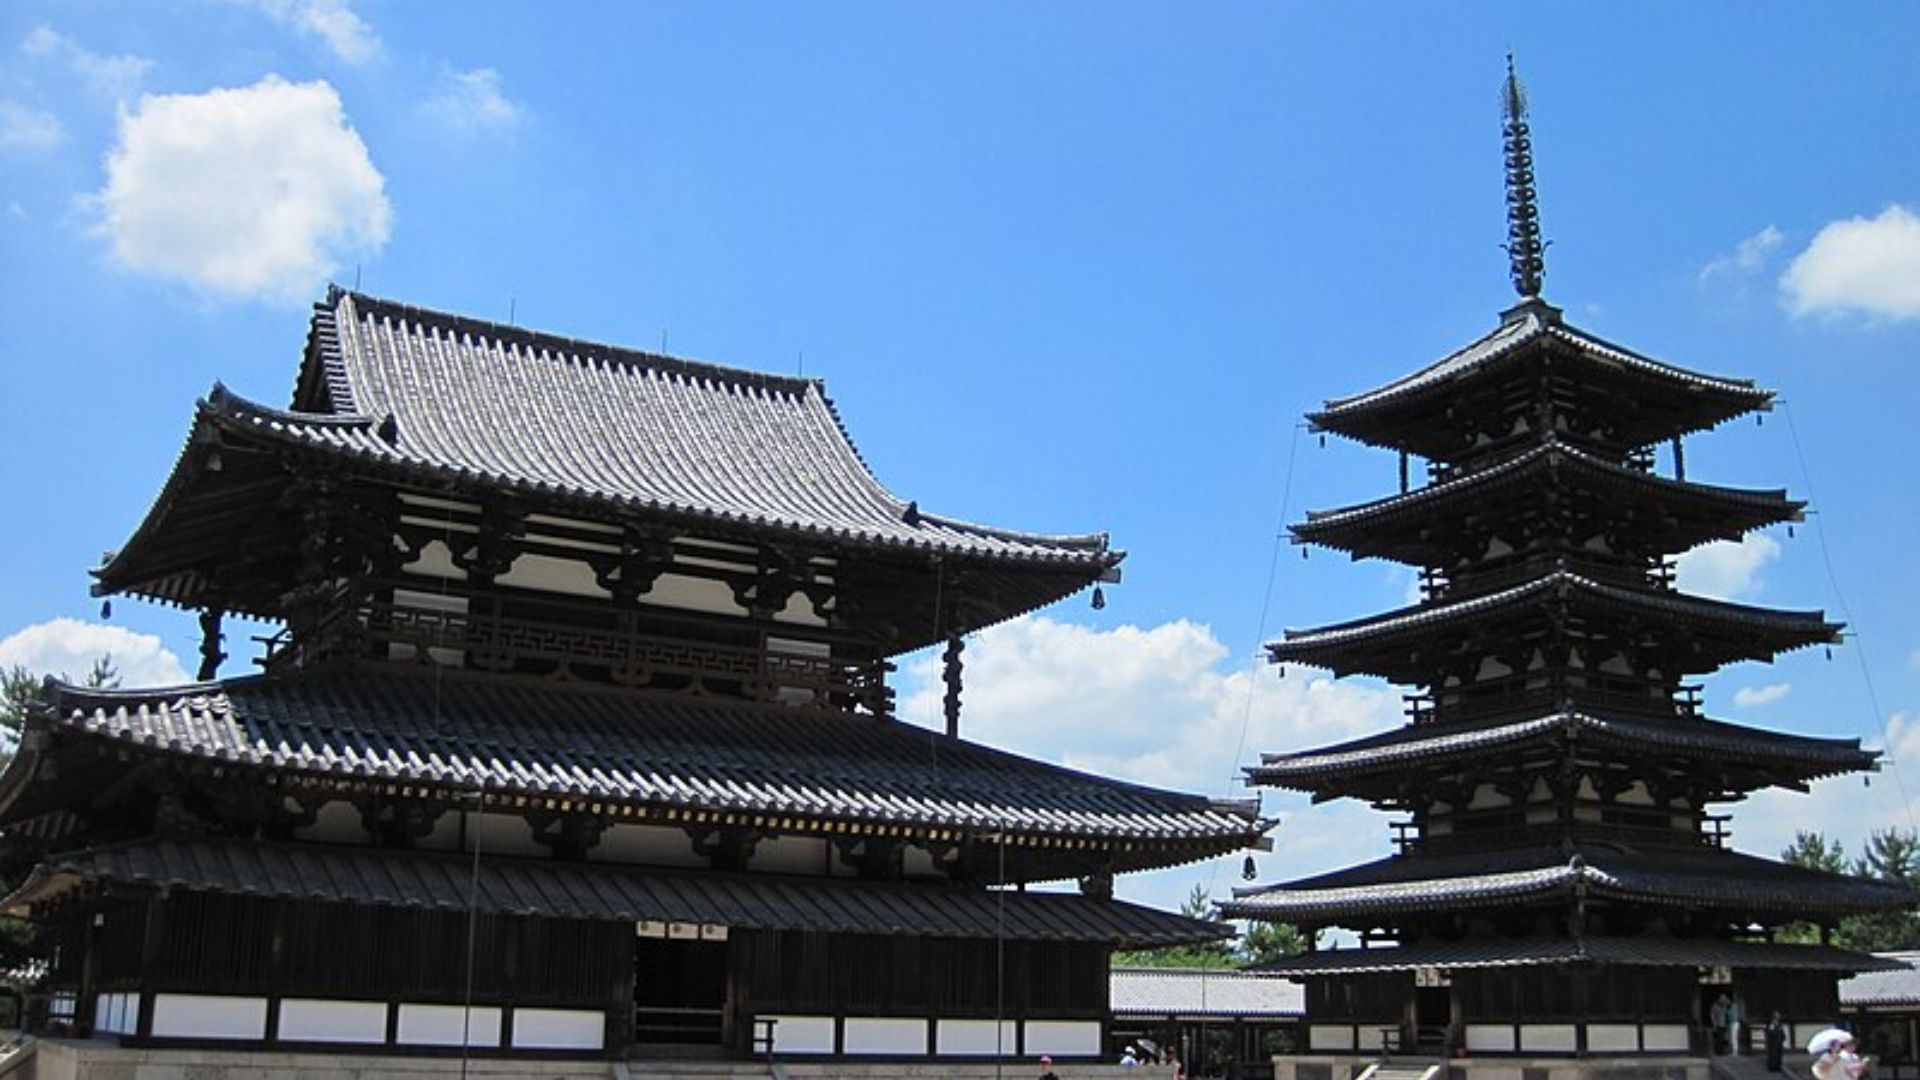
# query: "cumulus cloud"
{"type": "Point", "coordinates": [117, 77]}
{"type": "Point", "coordinates": [69, 648]}
{"type": "Point", "coordinates": [27, 128]}
{"type": "Point", "coordinates": [334, 22]}
{"type": "Point", "coordinates": [1747, 257]}
{"type": "Point", "coordinates": [254, 191]}
{"type": "Point", "coordinates": [1165, 706]}
{"type": "Point", "coordinates": [1842, 808]}
{"type": "Point", "coordinates": [1867, 266]}
{"type": "Point", "coordinates": [1727, 569]}
{"type": "Point", "coordinates": [470, 102]}
{"type": "Point", "coordinates": [1752, 697]}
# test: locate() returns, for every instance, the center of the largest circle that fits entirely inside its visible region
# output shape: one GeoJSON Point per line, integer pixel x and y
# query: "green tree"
{"type": "Point", "coordinates": [1267, 943]}
{"type": "Point", "coordinates": [1209, 954]}
{"type": "Point", "coordinates": [1815, 852]}
{"type": "Point", "coordinates": [1891, 855]}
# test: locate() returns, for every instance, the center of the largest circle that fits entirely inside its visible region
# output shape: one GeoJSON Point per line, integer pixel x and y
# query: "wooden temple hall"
{"type": "Point", "coordinates": [575, 737]}
{"type": "Point", "coordinates": [1564, 883]}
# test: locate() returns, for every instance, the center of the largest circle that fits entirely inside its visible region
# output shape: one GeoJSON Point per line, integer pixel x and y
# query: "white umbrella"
{"type": "Point", "coordinates": [1827, 1040]}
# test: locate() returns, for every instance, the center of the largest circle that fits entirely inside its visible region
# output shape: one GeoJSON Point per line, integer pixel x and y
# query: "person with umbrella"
{"type": "Point", "coordinates": [1834, 1057]}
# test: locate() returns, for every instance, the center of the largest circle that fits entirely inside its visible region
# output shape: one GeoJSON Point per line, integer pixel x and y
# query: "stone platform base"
{"type": "Point", "coordinates": [81, 1059]}
{"type": "Point", "coordinates": [1651, 1067]}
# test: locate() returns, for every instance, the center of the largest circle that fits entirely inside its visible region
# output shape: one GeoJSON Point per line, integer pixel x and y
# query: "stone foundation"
{"type": "Point", "coordinates": [80, 1059]}
{"type": "Point", "coordinates": [1651, 1067]}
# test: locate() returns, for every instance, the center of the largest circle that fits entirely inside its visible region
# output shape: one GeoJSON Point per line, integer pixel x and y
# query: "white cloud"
{"type": "Point", "coordinates": [1166, 707]}
{"type": "Point", "coordinates": [117, 77]}
{"type": "Point", "coordinates": [29, 129]}
{"type": "Point", "coordinates": [1869, 266]}
{"type": "Point", "coordinates": [334, 22]}
{"type": "Point", "coordinates": [69, 647]}
{"type": "Point", "coordinates": [1846, 808]}
{"type": "Point", "coordinates": [1727, 569]}
{"type": "Point", "coordinates": [470, 102]}
{"type": "Point", "coordinates": [1752, 697]}
{"type": "Point", "coordinates": [253, 191]}
{"type": "Point", "coordinates": [1747, 257]}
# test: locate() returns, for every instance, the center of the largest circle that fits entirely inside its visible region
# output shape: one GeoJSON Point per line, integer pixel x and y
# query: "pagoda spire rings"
{"type": "Point", "coordinates": [1526, 252]}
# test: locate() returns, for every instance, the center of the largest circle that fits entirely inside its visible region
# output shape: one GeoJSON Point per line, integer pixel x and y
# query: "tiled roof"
{"type": "Point", "coordinates": [1897, 985]}
{"type": "Point", "coordinates": [1530, 324]}
{"type": "Point", "coordinates": [516, 736]}
{"type": "Point", "coordinates": [1414, 883]}
{"type": "Point", "coordinates": [462, 397]}
{"type": "Point", "coordinates": [1750, 508]}
{"type": "Point", "coordinates": [573, 890]}
{"type": "Point", "coordinates": [1645, 951]}
{"type": "Point", "coordinates": [1793, 628]}
{"type": "Point", "coordinates": [1798, 755]}
{"type": "Point", "coordinates": [1189, 992]}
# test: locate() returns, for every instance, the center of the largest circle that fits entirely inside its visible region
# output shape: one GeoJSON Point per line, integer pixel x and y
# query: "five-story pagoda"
{"type": "Point", "coordinates": [1562, 885]}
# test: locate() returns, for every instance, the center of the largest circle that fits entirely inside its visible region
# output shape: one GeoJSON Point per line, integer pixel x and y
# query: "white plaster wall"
{"type": "Point", "coordinates": [559, 1029]}
{"type": "Point", "coordinates": [802, 1034]}
{"type": "Point", "coordinates": [1490, 1038]}
{"type": "Point", "coordinates": [502, 833]}
{"type": "Point", "coordinates": [1075, 1037]}
{"type": "Point", "coordinates": [653, 845]}
{"type": "Point", "coordinates": [441, 1025]}
{"type": "Point", "coordinates": [1604, 1038]}
{"type": "Point", "coordinates": [445, 835]}
{"type": "Point", "coordinates": [336, 822]}
{"type": "Point", "coordinates": [205, 1016]}
{"type": "Point", "coordinates": [1329, 1037]}
{"type": "Point", "coordinates": [1370, 1037]}
{"type": "Point", "coordinates": [1674, 1037]}
{"type": "Point", "coordinates": [917, 861]}
{"type": "Point", "coordinates": [789, 855]}
{"type": "Point", "coordinates": [319, 1020]}
{"type": "Point", "coordinates": [1552, 1038]}
{"type": "Point", "coordinates": [547, 573]}
{"type": "Point", "coordinates": [692, 594]}
{"type": "Point", "coordinates": [884, 1035]}
{"type": "Point", "coordinates": [975, 1037]}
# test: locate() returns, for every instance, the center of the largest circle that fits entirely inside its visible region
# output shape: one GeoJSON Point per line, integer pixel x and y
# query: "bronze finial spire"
{"type": "Point", "coordinates": [1526, 253]}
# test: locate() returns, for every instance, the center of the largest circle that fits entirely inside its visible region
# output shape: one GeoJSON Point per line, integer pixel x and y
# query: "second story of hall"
{"type": "Point", "coordinates": [443, 489]}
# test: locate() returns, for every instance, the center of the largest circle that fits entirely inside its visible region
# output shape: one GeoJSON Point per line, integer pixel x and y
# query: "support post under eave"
{"type": "Point", "coordinates": [950, 674]}
{"type": "Point", "coordinates": [210, 654]}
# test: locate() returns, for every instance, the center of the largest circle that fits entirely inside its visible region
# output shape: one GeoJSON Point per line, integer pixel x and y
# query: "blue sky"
{"type": "Point", "coordinates": [1065, 267]}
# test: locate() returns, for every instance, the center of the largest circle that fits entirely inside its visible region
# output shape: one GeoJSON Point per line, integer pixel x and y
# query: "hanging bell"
{"type": "Point", "coordinates": [1789, 532]}
{"type": "Point", "coordinates": [1282, 669]}
{"type": "Point", "coordinates": [1866, 781]}
{"type": "Point", "coordinates": [1303, 554]}
{"type": "Point", "coordinates": [1829, 652]}
{"type": "Point", "coordinates": [1099, 599]}
{"type": "Point", "coordinates": [1759, 419]}
{"type": "Point", "coordinates": [1323, 441]}
{"type": "Point", "coordinates": [106, 609]}
{"type": "Point", "coordinates": [1248, 871]}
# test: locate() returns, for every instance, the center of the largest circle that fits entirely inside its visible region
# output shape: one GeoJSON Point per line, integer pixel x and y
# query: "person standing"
{"type": "Point", "coordinates": [1046, 1068]}
{"type": "Point", "coordinates": [1736, 1020]}
{"type": "Point", "coordinates": [1717, 1017]}
{"type": "Point", "coordinates": [1776, 1041]}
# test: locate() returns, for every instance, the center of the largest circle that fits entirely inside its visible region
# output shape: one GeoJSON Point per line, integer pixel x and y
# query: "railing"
{"type": "Point", "coordinates": [487, 637]}
{"type": "Point", "coordinates": [1533, 693]}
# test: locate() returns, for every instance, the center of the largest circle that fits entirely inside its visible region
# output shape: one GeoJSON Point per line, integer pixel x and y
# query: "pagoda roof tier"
{"type": "Point", "coordinates": [1412, 412]}
{"type": "Point", "coordinates": [1380, 766]}
{"type": "Point", "coordinates": [417, 398]}
{"type": "Point", "coordinates": [1403, 885]}
{"type": "Point", "coordinates": [1703, 634]}
{"type": "Point", "coordinates": [1662, 516]}
{"type": "Point", "coordinates": [1645, 951]}
{"type": "Point", "coordinates": [632, 755]}
{"type": "Point", "coordinates": [427, 881]}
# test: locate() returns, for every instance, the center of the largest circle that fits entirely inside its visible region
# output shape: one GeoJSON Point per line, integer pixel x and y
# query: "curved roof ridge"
{"type": "Point", "coordinates": [574, 348]}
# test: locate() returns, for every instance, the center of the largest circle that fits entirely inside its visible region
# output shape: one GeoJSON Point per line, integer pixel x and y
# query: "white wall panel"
{"type": "Point", "coordinates": [1067, 1037]}
{"type": "Point", "coordinates": [559, 1029]}
{"type": "Point", "coordinates": [317, 1020]}
{"type": "Point", "coordinates": [1490, 1038]}
{"type": "Point", "coordinates": [1329, 1037]}
{"type": "Point", "coordinates": [204, 1016]}
{"type": "Point", "coordinates": [884, 1035]}
{"type": "Point", "coordinates": [1551, 1038]}
{"type": "Point", "coordinates": [441, 1025]}
{"type": "Point", "coordinates": [1605, 1038]}
{"type": "Point", "coordinates": [1674, 1037]}
{"type": "Point", "coordinates": [975, 1037]}
{"type": "Point", "coordinates": [802, 1034]}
